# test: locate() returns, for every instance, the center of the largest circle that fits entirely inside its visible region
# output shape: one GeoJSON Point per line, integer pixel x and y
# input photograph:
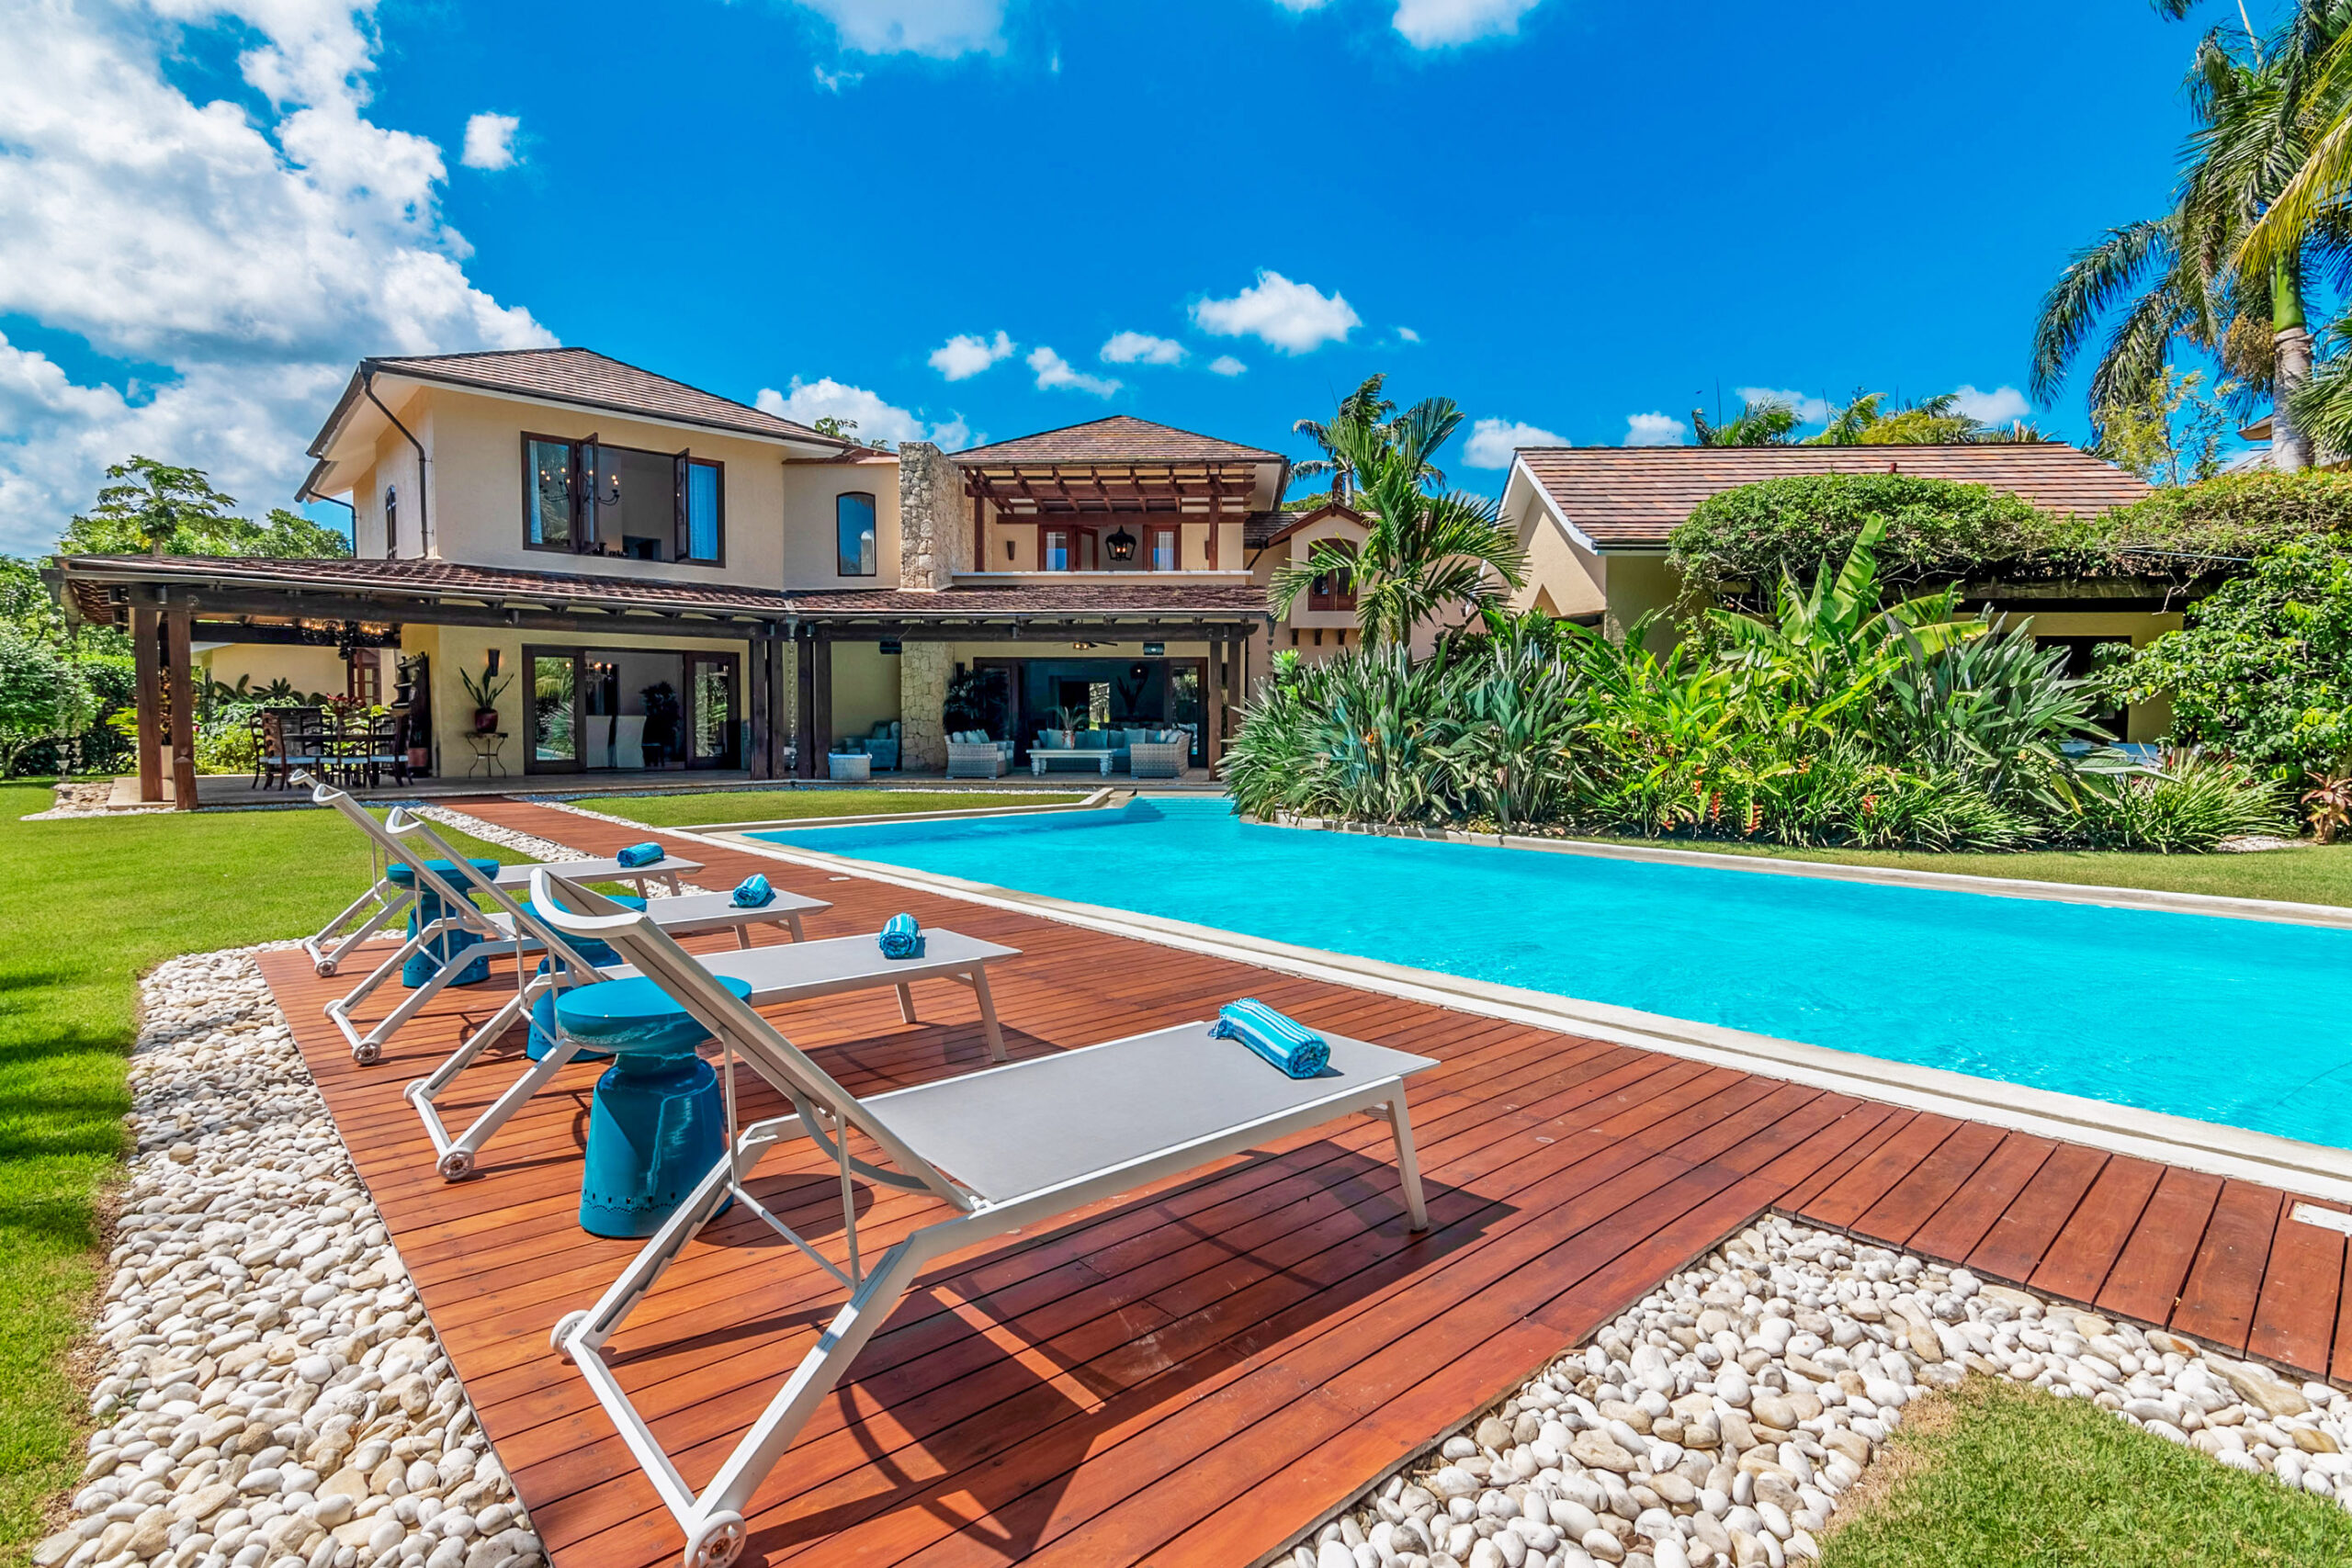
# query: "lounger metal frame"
{"type": "Point", "coordinates": [385, 900]}
{"type": "Point", "coordinates": [824, 1112]}
{"type": "Point", "coordinates": [511, 927]}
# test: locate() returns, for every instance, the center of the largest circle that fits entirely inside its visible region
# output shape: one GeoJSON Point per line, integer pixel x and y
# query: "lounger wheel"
{"type": "Point", "coordinates": [457, 1164]}
{"type": "Point", "coordinates": [717, 1541]}
{"type": "Point", "coordinates": [366, 1052]}
{"type": "Point", "coordinates": [326, 967]}
{"type": "Point", "coordinates": [563, 1328]}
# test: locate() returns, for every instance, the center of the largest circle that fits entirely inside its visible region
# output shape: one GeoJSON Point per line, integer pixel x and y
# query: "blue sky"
{"type": "Point", "coordinates": [1563, 214]}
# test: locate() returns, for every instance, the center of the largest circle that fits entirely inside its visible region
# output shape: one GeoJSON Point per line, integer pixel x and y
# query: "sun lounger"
{"type": "Point", "coordinates": [775, 975]}
{"type": "Point", "coordinates": [1005, 1149]}
{"type": "Point", "coordinates": [506, 930]}
{"type": "Point", "coordinates": [387, 900]}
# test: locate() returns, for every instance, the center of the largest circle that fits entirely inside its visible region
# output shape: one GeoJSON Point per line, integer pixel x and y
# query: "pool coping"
{"type": "Point", "coordinates": [2316, 1171]}
{"type": "Point", "coordinates": [2275, 910]}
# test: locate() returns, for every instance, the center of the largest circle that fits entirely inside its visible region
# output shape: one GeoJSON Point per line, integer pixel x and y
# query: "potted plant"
{"type": "Point", "coordinates": [485, 690]}
{"type": "Point", "coordinates": [1067, 722]}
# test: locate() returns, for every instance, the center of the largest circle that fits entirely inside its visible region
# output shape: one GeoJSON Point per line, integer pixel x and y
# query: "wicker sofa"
{"type": "Point", "coordinates": [972, 755]}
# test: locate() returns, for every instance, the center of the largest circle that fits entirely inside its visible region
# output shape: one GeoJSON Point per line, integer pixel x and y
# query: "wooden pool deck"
{"type": "Point", "coordinates": [1200, 1371]}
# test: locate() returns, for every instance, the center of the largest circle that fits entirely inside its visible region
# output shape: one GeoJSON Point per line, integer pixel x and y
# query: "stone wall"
{"type": "Point", "coordinates": [931, 503]}
{"type": "Point", "coordinates": [922, 697]}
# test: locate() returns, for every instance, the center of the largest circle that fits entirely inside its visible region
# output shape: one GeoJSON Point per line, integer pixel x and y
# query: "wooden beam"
{"type": "Point", "coordinates": [177, 660]}
{"type": "Point", "coordinates": [146, 650]}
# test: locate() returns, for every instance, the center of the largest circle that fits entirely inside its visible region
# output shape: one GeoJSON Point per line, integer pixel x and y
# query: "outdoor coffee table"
{"type": "Point", "coordinates": [1039, 756]}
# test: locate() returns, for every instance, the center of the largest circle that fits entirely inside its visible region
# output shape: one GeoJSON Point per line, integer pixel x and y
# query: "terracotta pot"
{"type": "Point", "coordinates": [485, 720]}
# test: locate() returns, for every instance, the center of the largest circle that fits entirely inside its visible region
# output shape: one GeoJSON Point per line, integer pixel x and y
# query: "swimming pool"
{"type": "Point", "coordinates": [2231, 1020]}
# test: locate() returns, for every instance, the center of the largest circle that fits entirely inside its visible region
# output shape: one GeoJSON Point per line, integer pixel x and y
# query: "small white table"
{"type": "Point", "coordinates": [1039, 756]}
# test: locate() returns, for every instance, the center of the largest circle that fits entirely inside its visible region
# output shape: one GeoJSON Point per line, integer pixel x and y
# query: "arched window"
{"type": "Point", "coordinates": [854, 530]}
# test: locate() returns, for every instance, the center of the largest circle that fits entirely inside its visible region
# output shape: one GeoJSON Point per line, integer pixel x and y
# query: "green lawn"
{"type": "Point", "coordinates": [2017, 1479]}
{"type": "Point", "coordinates": [784, 805]}
{"type": "Point", "coordinates": [86, 907]}
{"type": "Point", "coordinates": [2306, 873]}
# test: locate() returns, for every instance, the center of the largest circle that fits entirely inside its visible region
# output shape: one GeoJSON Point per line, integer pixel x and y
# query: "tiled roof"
{"type": "Point", "coordinates": [592, 380]}
{"type": "Point", "coordinates": [1121, 438]}
{"type": "Point", "coordinates": [991, 600]}
{"type": "Point", "coordinates": [398, 585]}
{"type": "Point", "coordinates": [1635, 496]}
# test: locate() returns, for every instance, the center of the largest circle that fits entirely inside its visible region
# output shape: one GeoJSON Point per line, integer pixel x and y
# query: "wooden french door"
{"type": "Point", "coordinates": [580, 716]}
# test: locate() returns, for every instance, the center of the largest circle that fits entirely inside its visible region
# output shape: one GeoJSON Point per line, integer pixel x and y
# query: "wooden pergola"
{"type": "Point", "coordinates": [167, 603]}
{"type": "Point", "coordinates": [1085, 493]}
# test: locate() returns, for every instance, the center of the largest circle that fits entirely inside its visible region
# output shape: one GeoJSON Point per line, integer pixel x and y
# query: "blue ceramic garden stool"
{"type": "Point", "coordinates": [658, 1123]}
{"type": "Point", "coordinates": [599, 954]}
{"type": "Point", "coordinates": [422, 966]}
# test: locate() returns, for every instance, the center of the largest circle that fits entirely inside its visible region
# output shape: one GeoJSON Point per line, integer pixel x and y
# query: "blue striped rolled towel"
{"type": "Point", "coordinates": [902, 937]}
{"type": "Point", "coordinates": [638, 855]}
{"type": "Point", "coordinates": [753, 893]}
{"type": "Point", "coordinates": [1287, 1044]}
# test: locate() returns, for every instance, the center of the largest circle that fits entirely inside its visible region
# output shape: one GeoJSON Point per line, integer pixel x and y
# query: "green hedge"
{"type": "Point", "coordinates": [1939, 532]}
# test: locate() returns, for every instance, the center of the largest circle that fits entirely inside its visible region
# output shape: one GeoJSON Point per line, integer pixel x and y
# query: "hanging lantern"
{"type": "Point", "coordinates": [1120, 546]}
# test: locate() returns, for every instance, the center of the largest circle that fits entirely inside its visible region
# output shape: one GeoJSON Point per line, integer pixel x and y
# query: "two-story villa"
{"type": "Point", "coordinates": [654, 578]}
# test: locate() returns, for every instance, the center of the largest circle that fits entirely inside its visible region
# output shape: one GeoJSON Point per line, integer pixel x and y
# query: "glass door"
{"type": "Point", "coordinates": [555, 711]}
{"type": "Point", "coordinates": [1184, 709]}
{"type": "Point", "coordinates": [712, 727]}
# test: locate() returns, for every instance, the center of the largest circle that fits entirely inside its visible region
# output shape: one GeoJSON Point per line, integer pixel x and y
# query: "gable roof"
{"type": "Point", "coordinates": [1119, 438]}
{"type": "Point", "coordinates": [1272, 527]}
{"type": "Point", "coordinates": [1635, 496]}
{"type": "Point", "coordinates": [577, 376]}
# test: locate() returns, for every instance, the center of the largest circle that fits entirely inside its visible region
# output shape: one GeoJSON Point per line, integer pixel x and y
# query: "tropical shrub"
{"type": "Point", "coordinates": [2263, 670]}
{"type": "Point", "coordinates": [2188, 803]}
{"type": "Point", "coordinates": [1837, 722]}
{"type": "Point", "coordinates": [1739, 541]}
{"type": "Point", "coordinates": [44, 697]}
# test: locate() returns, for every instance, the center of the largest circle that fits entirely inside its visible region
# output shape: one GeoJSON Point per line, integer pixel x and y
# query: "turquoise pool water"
{"type": "Point", "coordinates": [2240, 1022]}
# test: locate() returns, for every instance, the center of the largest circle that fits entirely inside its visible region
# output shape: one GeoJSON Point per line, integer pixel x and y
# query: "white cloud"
{"type": "Point", "coordinates": [2002, 405]}
{"type": "Point", "coordinates": [1492, 441]}
{"type": "Point", "coordinates": [1226, 364]}
{"type": "Point", "coordinates": [1054, 372]}
{"type": "Point", "coordinates": [255, 254]}
{"type": "Point", "coordinates": [966, 355]}
{"type": "Point", "coordinates": [1434, 24]}
{"type": "Point", "coordinates": [1293, 317]}
{"type": "Point", "coordinates": [490, 141]}
{"type": "Point", "coordinates": [941, 29]}
{"type": "Point", "coordinates": [1812, 410]}
{"type": "Point", "coordinates": [1655, 430]}
{"type": "Point", "coordinates": [1407, 334]}
{"type": "Point", "coordinates": [825, 398]}
{"type": "Point", "coordinates": [1142, 348]}
{"type": "Point", "coordinates": [834, 80]}
{"type": "Point", "coordinates": [1301, 5]}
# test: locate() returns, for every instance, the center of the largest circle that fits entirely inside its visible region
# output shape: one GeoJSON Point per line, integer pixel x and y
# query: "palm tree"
{"type": "Point", "coordinates": [1424, 551]}
{"type": "Point", "coordinates": [1362, 406]}
{"type": "Point", "coordinates": [2183, 276]}
{"type": "Point", "coordinates": [1766, 422]}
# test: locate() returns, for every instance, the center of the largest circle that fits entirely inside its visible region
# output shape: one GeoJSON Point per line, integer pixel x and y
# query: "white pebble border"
{"type": "Point", "coordinates": [1720, 1419]}
{"type": "Point", "coordinates": [275, 1396]}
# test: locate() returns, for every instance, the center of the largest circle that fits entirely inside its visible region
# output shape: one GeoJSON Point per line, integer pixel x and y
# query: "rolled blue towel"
{"type": "Point", "coordinates": [637, 855]}
{"type": "Point", "coordinates": [902, 937]}
{"type": "Point", "coordinates": [1297, 1050]}
{"type": "Point", "coordinates": [753, 893]}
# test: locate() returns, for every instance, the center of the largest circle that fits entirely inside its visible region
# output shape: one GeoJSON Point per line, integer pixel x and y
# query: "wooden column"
{"type": "Point", "coordinates": [820, 702]}
{"type": "Point", "coordinates": [146, 651]}
{"type": "Point", "coordinates": [804, 723]}
{"type": "Point", "coordinates": [756, 673]}
{"type": "Point", "coordinates": [779, 711]}
{"type": "Point", "coordinates": [176, 661]}
{"type": "Point", "coordinates": [1214, 720]}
